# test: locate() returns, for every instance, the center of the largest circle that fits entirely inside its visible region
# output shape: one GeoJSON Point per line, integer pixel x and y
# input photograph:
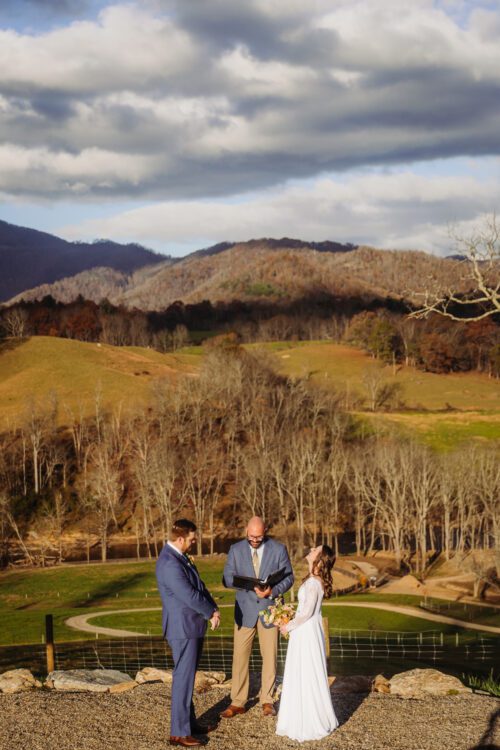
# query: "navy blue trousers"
{"type": "Point", "coordinates": [186, 654]}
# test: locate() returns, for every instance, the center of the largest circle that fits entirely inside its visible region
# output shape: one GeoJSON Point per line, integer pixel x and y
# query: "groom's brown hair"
{"type": "Point", "coordinates": [183, 527]}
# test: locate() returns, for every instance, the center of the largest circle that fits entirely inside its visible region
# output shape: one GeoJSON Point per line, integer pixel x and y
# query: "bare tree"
{"type": "Point", "coordinates": [382, 479]}
{"type": "Point", "coordinates": [480, 278]}
{"type": "Point", "coordinates": [104, 491]}
{"type": "Point", "coordinates": [164, 474]}
{"type": "Point", "coordinates": [15, 322]}
{"type": "Point", "coordinates": [381, 393]}
{"type": "Point", "coordinates": [487, 478]}
{"type": "Point", "coordinates": [422, 491]}
{"type": "Point", "coordinates": [334, 478]}
{"type": "Point", "coordinates": [9, 523]}
{"type": "Point", "coordinates": [203, 479]}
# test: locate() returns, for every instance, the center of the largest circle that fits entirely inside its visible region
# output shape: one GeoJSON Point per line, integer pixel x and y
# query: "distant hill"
{"type": "Point", "coordinates": [278, 271]}
{"type": "Point", "coordinates": [29, 258]}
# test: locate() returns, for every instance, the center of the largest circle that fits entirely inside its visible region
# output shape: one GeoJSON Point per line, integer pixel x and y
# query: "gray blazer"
{"type": "Point", "coordinates": [239, 562]}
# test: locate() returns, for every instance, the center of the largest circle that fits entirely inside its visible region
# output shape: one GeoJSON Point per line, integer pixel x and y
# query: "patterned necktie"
{"type": "Point", "coordinates": [256, 562]}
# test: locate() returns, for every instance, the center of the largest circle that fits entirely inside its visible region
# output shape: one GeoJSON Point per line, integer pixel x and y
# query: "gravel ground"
{"type": "Point", "coordinates": [139, 720]}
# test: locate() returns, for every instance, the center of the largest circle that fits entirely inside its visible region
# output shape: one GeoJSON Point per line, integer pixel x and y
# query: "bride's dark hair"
{"type": "Point", "coordinates": [323, 569]}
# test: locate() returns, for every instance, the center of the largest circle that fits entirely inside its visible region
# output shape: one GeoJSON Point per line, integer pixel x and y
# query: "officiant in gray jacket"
{"type": "Point", "coordinates": [256, 556]}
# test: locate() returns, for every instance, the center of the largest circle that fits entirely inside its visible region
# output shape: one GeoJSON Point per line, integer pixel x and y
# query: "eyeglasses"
{"type": "Point", "coordinates": [255, 538]}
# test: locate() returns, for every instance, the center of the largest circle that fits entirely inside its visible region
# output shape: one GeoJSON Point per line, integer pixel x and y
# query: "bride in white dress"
{"type": "Point", "coordinates": [306, 711]}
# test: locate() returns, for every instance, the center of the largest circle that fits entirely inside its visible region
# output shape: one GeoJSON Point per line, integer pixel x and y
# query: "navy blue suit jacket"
{"type": "Point", "coordinates": [187, 604]}
{"type": "Point", "coordinates": [248, 605]}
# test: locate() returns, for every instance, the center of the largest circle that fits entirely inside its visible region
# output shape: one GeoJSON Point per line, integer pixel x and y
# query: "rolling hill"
{"type": "Point", "coordinates": [440, 409]}
{"type": "Point", "coordinates": [272, 271]}
{"type": "Point", "coordinates": [38, 368]}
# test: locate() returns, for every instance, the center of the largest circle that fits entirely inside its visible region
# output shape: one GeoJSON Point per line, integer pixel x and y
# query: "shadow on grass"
{"type": "Point", "coordinates": [110, 589]}
{"type": "Point", "coordinates": [8, 344]}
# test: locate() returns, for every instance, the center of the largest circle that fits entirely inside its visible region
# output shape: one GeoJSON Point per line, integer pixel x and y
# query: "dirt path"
{"type": "Point", "coordinates": [81, 622]}
{"type": "Point", "coordinates": [420, 613]}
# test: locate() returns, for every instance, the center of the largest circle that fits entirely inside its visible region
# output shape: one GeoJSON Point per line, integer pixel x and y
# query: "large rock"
{"type": "Point", "coordinates": [17, 681]}
{"type": "Point", "coordinates": [203, 680]}
{"type": "Point", "coordinates": [151, 674]}
{"type": "Point", "coordinates": [90, 680]}
{"type": "Point", "coordinates": [417, 683]}
{"type": "Point", "coordinates": [381, 684]}
{"type": "Point", "coordinates": [207, 680]}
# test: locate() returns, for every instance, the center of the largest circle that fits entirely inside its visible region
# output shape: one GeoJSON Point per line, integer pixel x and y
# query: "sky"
{"type": "Point", "coordinates": [181, 123]}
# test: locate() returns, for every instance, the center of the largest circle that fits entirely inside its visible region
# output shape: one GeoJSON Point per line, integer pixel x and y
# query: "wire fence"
{"type": "Point", "coordinates": [460, 610]}
{"type": "Point", "coordinates": [351, 651]}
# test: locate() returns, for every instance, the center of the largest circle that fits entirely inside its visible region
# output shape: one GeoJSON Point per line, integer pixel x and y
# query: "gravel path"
{"type": "Point", "coordinates": [139, 720]}
{"type": "Point", "coordinates": [81, 622]}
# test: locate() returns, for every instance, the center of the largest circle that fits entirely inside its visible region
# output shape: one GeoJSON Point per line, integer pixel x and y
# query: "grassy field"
{"type": "Point", "coordinates": [76, 371]}
{"type": "Point", "coordinates": [443, 410]}
{"type": "Point", "coordinates": [26, 596]}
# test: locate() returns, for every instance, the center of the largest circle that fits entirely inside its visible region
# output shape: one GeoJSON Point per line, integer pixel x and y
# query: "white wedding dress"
{"type": "Point", "coordinates": [306, 711]}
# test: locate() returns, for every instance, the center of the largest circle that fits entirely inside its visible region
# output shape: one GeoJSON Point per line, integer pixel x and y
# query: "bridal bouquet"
{"type": "Point", "coordinates": [278, 613]}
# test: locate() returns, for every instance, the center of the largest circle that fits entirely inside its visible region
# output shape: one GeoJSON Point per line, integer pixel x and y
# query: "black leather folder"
{"type": "Point", "coordinates": [249, 584]}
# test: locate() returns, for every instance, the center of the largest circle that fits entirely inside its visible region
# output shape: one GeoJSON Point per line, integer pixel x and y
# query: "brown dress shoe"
{"type": "Point", "coordinates": [185, 741]}
{"type": "Point", "coordinates": [268, 709]}
{"type": "Point", "coordinates": [232, 711]}
{"type": "Point", "coordinates": [202, 728]}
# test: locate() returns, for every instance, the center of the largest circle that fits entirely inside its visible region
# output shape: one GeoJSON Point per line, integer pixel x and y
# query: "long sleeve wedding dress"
{"type": "Point", "coordinates": [306, 711]}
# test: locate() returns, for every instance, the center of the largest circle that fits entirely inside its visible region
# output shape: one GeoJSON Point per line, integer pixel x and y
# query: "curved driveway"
{"type": "Point", "coordinates": [81, 622]}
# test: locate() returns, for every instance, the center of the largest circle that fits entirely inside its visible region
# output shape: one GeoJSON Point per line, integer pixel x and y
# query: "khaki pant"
{"type": "Point", "coordinates": [268, 643]}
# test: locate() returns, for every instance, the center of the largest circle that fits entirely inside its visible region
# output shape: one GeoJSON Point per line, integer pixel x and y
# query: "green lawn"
{"type": "Point", "coordinates": [340, 618]}
{"type": "Point", "coordinates": [27, 596]}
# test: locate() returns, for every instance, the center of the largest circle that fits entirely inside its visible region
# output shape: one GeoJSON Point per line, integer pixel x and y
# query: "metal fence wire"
{"type": "Point", "coordinates": [357, 649]}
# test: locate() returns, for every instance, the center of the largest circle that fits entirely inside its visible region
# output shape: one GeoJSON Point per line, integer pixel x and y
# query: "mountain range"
{"type": "Point", "coordinates": [29, 258]}
{"type": "Point", "coordinates": [273, 270]}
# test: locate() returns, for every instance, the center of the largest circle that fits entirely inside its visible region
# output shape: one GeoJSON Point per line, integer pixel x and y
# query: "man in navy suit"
{"type": "Point", "coordinates": [187, 607]}
{"type": "Point", "coordinates": [257, 556]}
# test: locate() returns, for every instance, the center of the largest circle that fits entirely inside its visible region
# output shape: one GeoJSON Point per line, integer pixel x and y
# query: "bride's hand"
{"type": "Point", "coordinates": [283, 629]}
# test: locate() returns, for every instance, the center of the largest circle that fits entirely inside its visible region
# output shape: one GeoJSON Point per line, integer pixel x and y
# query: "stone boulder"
{"type": "Point", "coordinates": [418, 683]}
{"type": "Point", "coordinates": [152, 674]}
{"type": "Point", "coordinates": [90, 680]}
{"type": "Point", "coordinates": [381, 684]}
{"type": "Point", "coordinates": [203, 681]}
{"type": "Point", "coordinates": [17, 681]}
{"type": "Point", "coordinates": [207, 680]}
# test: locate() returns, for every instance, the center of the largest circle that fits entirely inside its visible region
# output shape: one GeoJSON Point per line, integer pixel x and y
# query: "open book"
{"type": "Point", "coordinates": [249, 584]}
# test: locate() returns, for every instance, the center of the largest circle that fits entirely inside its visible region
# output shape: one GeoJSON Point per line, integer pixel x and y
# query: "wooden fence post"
{"type": "Point", "coordinates": [49, 643]}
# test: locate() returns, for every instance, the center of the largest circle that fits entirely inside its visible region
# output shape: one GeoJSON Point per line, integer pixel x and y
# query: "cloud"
{"type": "Point", "coordinates": [399, 210]}
{"type": "Point", "coordinates": [181, 100]}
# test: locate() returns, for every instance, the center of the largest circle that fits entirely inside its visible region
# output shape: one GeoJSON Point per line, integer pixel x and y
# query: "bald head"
{"type": "Point", "coordinates": [256, 530]}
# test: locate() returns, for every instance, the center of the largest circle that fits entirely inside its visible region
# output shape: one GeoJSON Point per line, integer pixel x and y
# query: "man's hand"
{"type": "Point", "coordinates": [215, 620]}
{"type": "Point", "coordinates": [263, 593]}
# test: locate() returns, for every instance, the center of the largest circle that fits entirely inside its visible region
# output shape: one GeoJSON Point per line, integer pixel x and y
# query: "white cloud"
{"type": "Point", "coordinates": [228, 115]}
{"type": "Point", "coordinates": [127, 48]}
{"type": "Point", "coordinates": [77, 173]}
{"type": "Point", "coordinates": [398, 210]}
{"type": "Point", "coordinates": [176, 99]}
